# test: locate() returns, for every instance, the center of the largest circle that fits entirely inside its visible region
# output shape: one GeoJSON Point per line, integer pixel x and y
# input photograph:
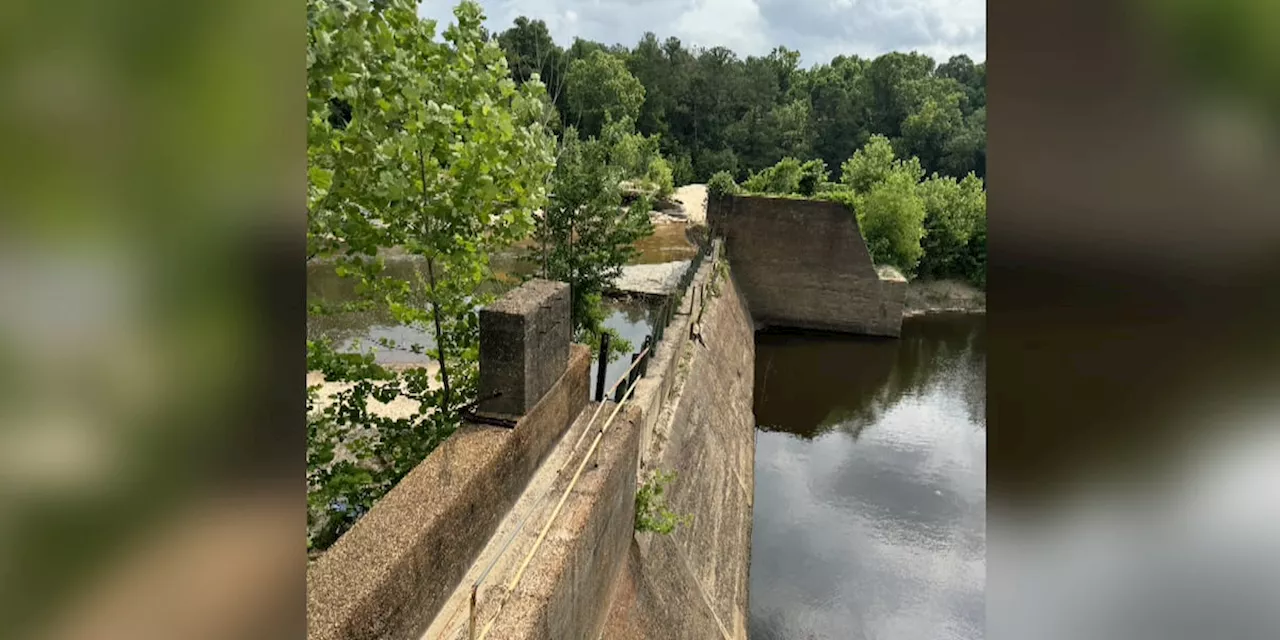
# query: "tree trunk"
{"type": "Point", "coordinates": [435, 312]}
{"type": "Point", "coordinates": [431, 278]}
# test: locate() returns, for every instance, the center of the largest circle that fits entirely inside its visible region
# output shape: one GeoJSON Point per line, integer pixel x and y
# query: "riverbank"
{"type": "Point", "coordinates": [943, 296]}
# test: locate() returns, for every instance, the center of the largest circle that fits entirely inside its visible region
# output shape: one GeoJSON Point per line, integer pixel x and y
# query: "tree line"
{"type": "Point", "coordinates": [715, 111]}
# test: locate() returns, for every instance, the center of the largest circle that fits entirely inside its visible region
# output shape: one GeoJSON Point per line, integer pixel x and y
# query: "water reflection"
{"type": "Point", "coordinates": [630, 318]}
{"type": "Point", "coordinates": [870, 484]}
{"type": "Point", "coordinates": [362, 330]}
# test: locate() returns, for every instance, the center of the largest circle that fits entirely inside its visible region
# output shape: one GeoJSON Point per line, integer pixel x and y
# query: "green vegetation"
{"type": "Point", "coordinates": [652, 513]}
{"type": "Point", "coordinates": [721, 184]}
{"type": "Point", "coordinates": [934, 228]}
{"type": "Point", "coordinates": [455, 148]}
{"type": "Point", "coordinates": [586, 235]}
{"type": "Point", "coordinates": [717, 112]}
{"type": "Point", "coordinates": [774, 127]}
{"type": "Point", "coordinates": [428, 146]}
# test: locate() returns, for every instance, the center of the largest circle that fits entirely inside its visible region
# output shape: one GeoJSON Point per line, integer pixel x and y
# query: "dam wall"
{"type": "Point", "coordinates": [527, 530]}
{"type": "Point", "coordinates": [692, 583]}
{"type": "Point", "coordinates": [804, 264]}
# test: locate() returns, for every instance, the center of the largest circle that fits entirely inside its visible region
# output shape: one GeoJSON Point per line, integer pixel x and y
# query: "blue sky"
{"type": "Point", "coordinates": [818, 29]}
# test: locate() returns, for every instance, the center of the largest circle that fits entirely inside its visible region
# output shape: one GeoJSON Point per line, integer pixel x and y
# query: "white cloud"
{"type": "Point", "coordinates": [735, 24]}
{"type": "Point", "coordinates": [818, 29]}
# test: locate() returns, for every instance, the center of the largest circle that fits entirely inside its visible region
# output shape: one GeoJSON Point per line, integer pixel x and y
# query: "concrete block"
{"type": "Point", "coordinates": [524, 346]}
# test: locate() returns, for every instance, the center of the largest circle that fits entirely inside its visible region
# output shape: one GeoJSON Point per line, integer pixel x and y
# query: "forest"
{"type": "Point", "coordinates": [714, 110]}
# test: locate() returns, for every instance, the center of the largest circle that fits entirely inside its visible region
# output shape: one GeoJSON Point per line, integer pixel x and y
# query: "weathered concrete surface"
{"type": "Point", "coordinates": [804, 264]}
{"type": "Point", "coordinates": [518, 531]}
{"type": "Point", "coordinates": [693, 583]}
{"type": "Point", "coordinates": [567, 587]}
{"type": "Point", "coordinates": [388, 576]}
{"type": "Point", "coordinates": [524, 345]}
{"type": "Point", "coordinates": [652, 279]}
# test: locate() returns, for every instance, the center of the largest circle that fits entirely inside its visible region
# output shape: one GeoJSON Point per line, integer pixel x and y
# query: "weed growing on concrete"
{"type": "Point", "coordinates": [718, 273]}
{"type": "Point", "coordinates": [652, 513]}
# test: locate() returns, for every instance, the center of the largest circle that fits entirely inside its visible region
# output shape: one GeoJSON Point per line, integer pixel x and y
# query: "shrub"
{"type": "Point", "coordinates": [955, 211]}
{"type": "Point", "coordinates": [813, 174]}
{"type": "Point", "coordinates": [711, 162]}
{"type": "Point", "coordinates": [874, 163]}
{"type": "Point", "coordinates": [891, 216]}
{"type": "Point", "coordinates": [782, 178]}
{"type": "Point", "coordinates": [661, 177]}
{"type": "Point", "coordinates": [652, 513]}
{"type": "Point", "coordinates": [721, 184]}
{"type": "Point", "coordinates": [682, 169]}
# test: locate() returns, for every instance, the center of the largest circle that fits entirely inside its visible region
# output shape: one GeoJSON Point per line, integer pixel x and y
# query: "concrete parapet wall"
{"type": "Point", "coordinates": [566, 590]}
{"type": "Point", "coordinates": [387, 577]}
{"type": "Point", "coordinates": [804, 264]}
{"type": "Point", "coordinates": [524, 345]}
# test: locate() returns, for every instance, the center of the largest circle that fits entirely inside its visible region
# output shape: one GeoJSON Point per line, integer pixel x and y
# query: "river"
{"type": "Point", "coordinates": [361, 331]}
{"type": "Point", "coordinates": [870, 484]}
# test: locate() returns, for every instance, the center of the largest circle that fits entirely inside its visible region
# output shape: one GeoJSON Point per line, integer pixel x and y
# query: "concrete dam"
{"type": "Point", "coordinates": [522, 524]}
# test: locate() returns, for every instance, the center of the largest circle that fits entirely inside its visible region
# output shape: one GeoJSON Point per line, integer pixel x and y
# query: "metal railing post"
{"type": "Point", "coordinates": [471, 625]}
{"type": "Point", "coordinates": [602, 365]}
{"type": "Point", "coordinates": [635, 371]}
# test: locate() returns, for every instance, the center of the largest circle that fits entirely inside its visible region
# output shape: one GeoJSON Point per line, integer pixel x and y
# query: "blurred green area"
{"type": "Point", "coordinates": [152, 151]}
{"type": "Point", "coordinates": [1226, 48]}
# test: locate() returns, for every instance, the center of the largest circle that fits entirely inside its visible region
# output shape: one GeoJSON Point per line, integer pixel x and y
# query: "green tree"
{"type": "Point", "coordinates": [891, 215]}
{"type": "Point", "coordinates": [721, 184]}
{"type": "Point", "coordinates": [601, 89]}
{"type": "Point", "coordinates": [586, 235]}
{"type": "Point", "coordinates": [966, 150]}
{"type": "Point", "coordinates": [782, 178]}
{"type": "Point", "coordinates": [428, 146]}
{"type": "Point", "coordinates": [874, 163]}
{"type": "Point", "coordinates": [954, 211]}
{"type": "Point", "coordinates": [530, 50]}
{"type": "Point", "coordinates": [972, 77]}
{"type": "Point", "coordinates": [840, 99]}
{"type": "Point", "coordinates": [928, 133]}
{"type": "Point", "coordinates": [897, 81]}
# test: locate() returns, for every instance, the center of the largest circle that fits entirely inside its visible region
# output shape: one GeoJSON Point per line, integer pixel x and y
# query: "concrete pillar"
{"type": "Point", "coordinates": [524, 346]}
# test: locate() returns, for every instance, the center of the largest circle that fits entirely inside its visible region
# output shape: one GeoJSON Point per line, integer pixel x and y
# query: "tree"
{"type": "Point", "coordinates": [874, 163]}
{"type": "Point", "coordinates": [586, 235]}
{"type": "Point", "coordinates": [650, 65]}
{"type": "Point", "coordinates": [427, 146]}
{"type": "Point", "coordinates": [530, 50]}
{"type": "Point", "coordinates": [896, 82]}
{"type": "Point", "coordinates": [971, 77]}
{"type": "Point", "coordinates": [929, 132]}
{"type": "Point", "coordinates": [891, 216]}
{"type": "Point", "coordinates": [840, 99]}
{"type": "Point", "coordinates": [601, 89]}
{"type": "Point", "coordinates": [954, 211]}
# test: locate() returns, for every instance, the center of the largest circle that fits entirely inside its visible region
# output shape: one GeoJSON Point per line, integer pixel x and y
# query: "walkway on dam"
{"type": "Point", "coordinates": [517, 533]}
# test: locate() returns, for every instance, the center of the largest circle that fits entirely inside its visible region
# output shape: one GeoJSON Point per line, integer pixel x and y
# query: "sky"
{"type": "Point", "coordinates": [818, 29]}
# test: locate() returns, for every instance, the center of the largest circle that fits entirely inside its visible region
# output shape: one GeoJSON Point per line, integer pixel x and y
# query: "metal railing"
{"type": "Point", "coordinates": [660, 318]}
